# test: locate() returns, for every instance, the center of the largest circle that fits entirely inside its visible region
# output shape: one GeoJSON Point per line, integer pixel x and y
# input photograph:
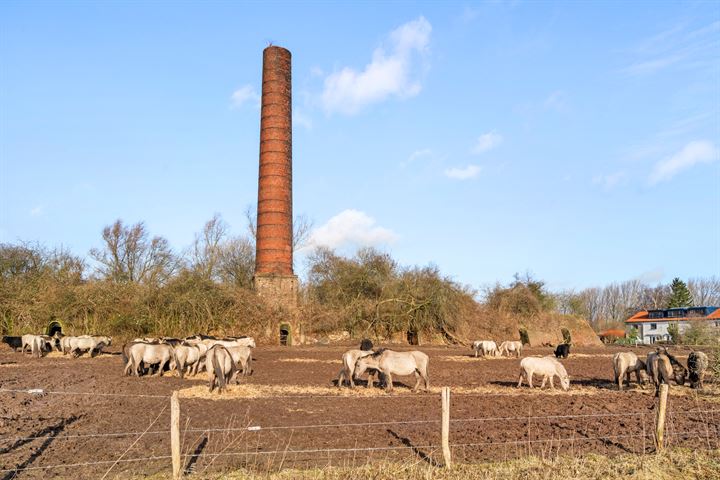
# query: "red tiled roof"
{"type": "Point", "coordinates": [642, 317]}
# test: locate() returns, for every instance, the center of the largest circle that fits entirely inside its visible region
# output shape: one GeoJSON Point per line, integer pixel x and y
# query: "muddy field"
{"type": "Point", "coordinates": [91, 416]}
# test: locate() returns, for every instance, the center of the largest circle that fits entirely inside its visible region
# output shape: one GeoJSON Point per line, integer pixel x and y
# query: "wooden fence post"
{"type": "Point", "coordinates": [660, 418]}
{"type": "Point", "coordinates": [175, 434]}
{"type": "Point", "coordinates": [445, 395]}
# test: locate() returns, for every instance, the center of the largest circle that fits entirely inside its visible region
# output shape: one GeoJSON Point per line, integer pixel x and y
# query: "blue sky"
{"type": "Point", "coordinates": [576, 140]}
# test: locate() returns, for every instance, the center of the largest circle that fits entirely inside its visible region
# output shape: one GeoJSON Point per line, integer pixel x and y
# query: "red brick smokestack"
{"type": "Point", "coordinates": [274, 252]}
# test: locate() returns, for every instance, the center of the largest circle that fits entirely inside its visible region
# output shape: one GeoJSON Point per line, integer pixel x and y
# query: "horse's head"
{"type": "Point", "coordinates": [565, 382]}
{"type": "Point", "coordinates": [363, 363]}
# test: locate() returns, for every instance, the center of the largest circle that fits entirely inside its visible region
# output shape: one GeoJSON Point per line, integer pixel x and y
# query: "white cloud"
{"type": "Point", "coordinates": [486, 142]}
{"type": "Point", "coordinates": [470, 171]}
{"type": "Point", "coordinates": [37, 211]}
{"type": "Point", "coordinates": [393, 74]}
{"type": "Point", "coordinates": [416, 155]}
{"type": "Point", "coordinates": [243, 95]}
{"type": "Point", "coordinates": [609, 181]}
{"type": "Point", "coordinates": [351, 227]}
{"type": "Point", "coordinates": [696, 152]}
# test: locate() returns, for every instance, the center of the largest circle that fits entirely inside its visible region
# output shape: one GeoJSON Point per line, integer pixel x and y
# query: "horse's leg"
{"type": "Point", "coordinates": [529, 375]}
{"type": "Point", "coordinates": [520, 379]}
{"type": "Point", "coordinates": [417, 382]}
{"type": "Point", "coordinates": [542, 385]}
{"type": "Point", "coordinates": [426, 377]}
{"type": "Point", "coordinates": [552, 385]}
{"type": "Point", "coordinates": [388, 381]}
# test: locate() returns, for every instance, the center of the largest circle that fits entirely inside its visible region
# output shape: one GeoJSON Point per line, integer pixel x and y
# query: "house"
{"type": "Point", "coordinates": [652, 325]}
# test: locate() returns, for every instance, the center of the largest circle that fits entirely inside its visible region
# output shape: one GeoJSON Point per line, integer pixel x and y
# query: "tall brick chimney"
{"type": "Point", "coordinates": [274, 278]}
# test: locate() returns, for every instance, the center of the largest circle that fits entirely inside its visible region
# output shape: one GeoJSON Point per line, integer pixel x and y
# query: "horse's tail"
{"type": "Point", "coordinates": [125, 354]}
{"type": "Point", "coordinates": [616, 370]}
{"type": "Point", "coordinates": [181, 371]}
{"type": "Point", "coordinates": [219, 374]}
{"type": "Point", "coordinates": [249, 365]}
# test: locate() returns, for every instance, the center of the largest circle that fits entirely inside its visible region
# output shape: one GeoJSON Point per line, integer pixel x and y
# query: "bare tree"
{"type": "Point", "coordinates": [705, 291]}
{"type": "Point", "coordinates": [128, 255]}
{"type": "Point", "coordinates": [206, 249]}
{"type": "Point", "coordinates": [236, 261]}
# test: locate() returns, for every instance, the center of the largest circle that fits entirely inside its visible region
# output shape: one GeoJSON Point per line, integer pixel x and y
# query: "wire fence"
{"type": "Point", "coordinates": [706, 423]}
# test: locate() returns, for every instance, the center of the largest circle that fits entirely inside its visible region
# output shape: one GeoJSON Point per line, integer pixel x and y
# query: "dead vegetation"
{"type": "Point", "coordinates": [672, 464]}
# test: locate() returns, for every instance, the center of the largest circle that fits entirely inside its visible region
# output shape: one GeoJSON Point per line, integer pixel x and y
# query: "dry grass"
{"type": "Point", "coordinates": [673, 464]}
{"type": "Point", "coordinates": [85, 356]}
{"type": "Point", "coordinates": [309, 360]}
{"type": "Point", "coordinates": [260, 391]}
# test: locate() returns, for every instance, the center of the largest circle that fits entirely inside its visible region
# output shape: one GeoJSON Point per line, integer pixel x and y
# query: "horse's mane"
{"type": "Point", "coordinates": [378, 352]}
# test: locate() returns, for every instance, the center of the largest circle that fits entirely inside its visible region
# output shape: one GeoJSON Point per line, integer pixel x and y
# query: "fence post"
{"type": "Point", "coordinates": [660, 418]}
{"type": "Point", "coordinates": [175, 434]}
{"type": "Point", "coordinates": [445, 395]}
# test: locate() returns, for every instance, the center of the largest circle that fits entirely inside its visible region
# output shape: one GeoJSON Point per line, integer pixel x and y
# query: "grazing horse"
{"type": "Point", "coordinates": [242, 357]}
{"type": "Point", "coordinates": [189, 356]}
{"type": "Point", "coordinates": [562, 350]}
{"type": "Point", "coordinates": [87, 343]}
{"type": "Point", "coordinates": [27, 341]}
{"type": "Point", "coordinates": [390, 363]}
{"type": "Point", "coordinates": [697, 364]}
{"type": "Point", "coordinates": [624, 363]}
{"type": "Point", "coordinates": [347, 372]}
{"type": "Point", "coordinates": [485, 347]}
{"type": "Point", "coordinates": [548, 367]}
{"type": "Point", "coordinates": [148, 354]}
{"type": "Point", "coordinates": [659, 368]}
{"type": "Point", "coordinates": [509, 346]}
{"type": "Point", "coordinates": [220, 367]}
{"type": "Point", "coordinates": [679, 371]}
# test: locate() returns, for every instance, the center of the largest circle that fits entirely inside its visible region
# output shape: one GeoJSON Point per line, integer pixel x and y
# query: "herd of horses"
{"type": "Point", "coordinates": [226, 359]}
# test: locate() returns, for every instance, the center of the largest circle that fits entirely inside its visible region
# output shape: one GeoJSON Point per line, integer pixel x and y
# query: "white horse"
{"type": "Point", "coordinates": [347, 372]}
{"type": "Point", "coordinates": [149, 354]}
{"type": "Point", "coordinates": [624, 363]}
{"type": "Point", "coordinates": [242, 357]}
{"type": "Point", "coordinates": [220, 367]}
{"type": "Point", "coordinates": [507, 347]}
{"type": "Point", "coordinates": [391, 363]}
{"type": "Point", "coordinates": [485, 347]}
{"type": "Point", "coordinates": [87, 343]}
{"type": "Point", "coordinates": [35, 343]}
{"type": "Point", "coordinates": [190, 357]}
{"type": "Point", "coordinates": [548, 367]}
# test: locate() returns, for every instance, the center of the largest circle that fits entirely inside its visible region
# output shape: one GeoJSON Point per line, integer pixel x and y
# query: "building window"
{"type": "Point", "coordinates": [653, 326]}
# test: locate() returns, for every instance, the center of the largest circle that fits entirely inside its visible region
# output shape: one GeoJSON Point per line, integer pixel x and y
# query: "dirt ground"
{"type": "Point", "coordinates": [298, 418]}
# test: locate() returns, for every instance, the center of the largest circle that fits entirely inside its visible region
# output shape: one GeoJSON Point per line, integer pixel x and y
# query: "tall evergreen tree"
{"type": "Point", "coordinates": [680, 296]}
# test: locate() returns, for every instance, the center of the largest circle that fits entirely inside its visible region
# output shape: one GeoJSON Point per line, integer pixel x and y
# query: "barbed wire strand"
{"type": "Point", "coordinates": [350, 425]}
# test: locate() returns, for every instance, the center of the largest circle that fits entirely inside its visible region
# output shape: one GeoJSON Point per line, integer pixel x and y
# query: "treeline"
{"type": "Point", "coordinates": [611, 305]}
{"type": "Point", "coordinates": [135, 284]}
